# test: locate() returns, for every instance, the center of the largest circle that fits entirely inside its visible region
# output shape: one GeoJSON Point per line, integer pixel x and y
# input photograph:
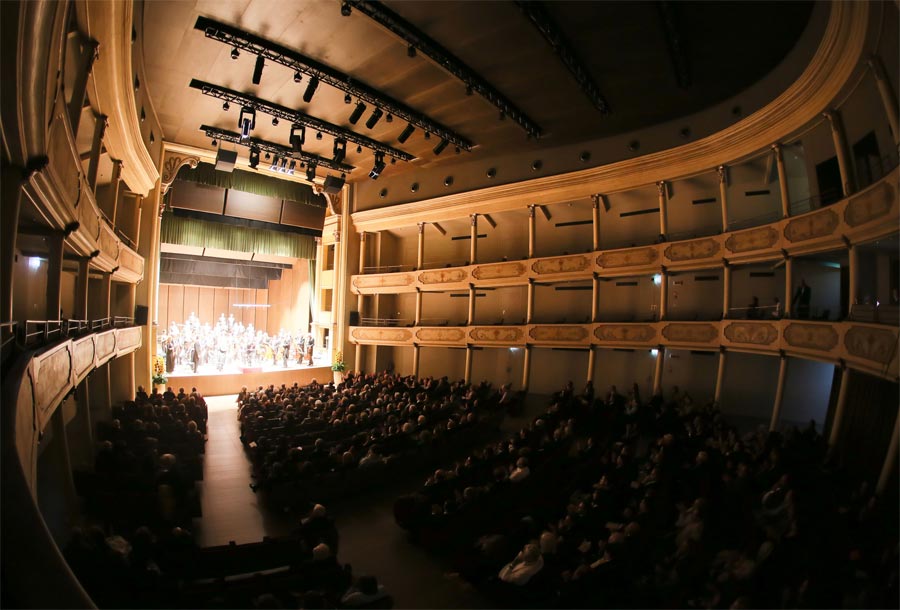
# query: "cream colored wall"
{"type": "Point", "coordinates": [623, 368]}
{"type": "Point", "coordinates": [689, 299]}
{"type": "Point", "coordinates": [551, 369]}
{"type": "Point", "coordinates": [619, 232]}
{"type": "Point", "coordinates": [694, 373]}
{"type": "Point", "coordinates": [506, 304]}
{"type": "Point", "coordinates": [439, 361]}
{"type": "Point", "coordinates": [29, 290]}
{"type": "Point", "coordinates": [553, 305]}
{"type": "Point", "coordinates": [628, 303]}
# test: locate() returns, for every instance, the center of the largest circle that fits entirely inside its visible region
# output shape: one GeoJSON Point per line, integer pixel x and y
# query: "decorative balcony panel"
{"type": "Point", "coordinates": [497, 335]}
{"type": "Point", "coordinates": [691, 333]}
{"type": "Point", "coordinates": [131, 265]}
{"type": "Point", "coordinates": [627, 335]}
{"type": "Point", "coordinates": [758, 243]}
{"type": "Point", "coordinates": [561, 267]}
{"type": "Point", "coordinates": [449, 278]}
{"type": "Point", "coordinates": [375, 284]}
{"type": "Point", "coordinates": [808, 336]}
{"type": "Point", "coordinates": [382, 336]}
{"type": "Point", "coordinates": [109, 247]}
{"type": "Point", "coordinates": [84, 357]}
{"type": "Point", "coordinates": [52, 375]}
{"type": "Point", "coordinates": [872, 213]}
{"type": "Point", "coordinates": [751, 335]}
{"type": "Point", "coordinates": [441, 335]}
{"type": "Point", "coordinates": [694, 253]}
{"type": "Point", "coordinates": [629, 261]}
{"type": "Point", "coordinates": [816, 230]}
{"type": "Point", "coordinates": [560, 334]}
{"type": "Point", "coordinates": [106, 347]}
{"type": "Point", "coordinates": [128, 340]}
{"type": "Point", "coordinates": [871, 348]}
{"type": "Point", "coordinates": [498, 274]}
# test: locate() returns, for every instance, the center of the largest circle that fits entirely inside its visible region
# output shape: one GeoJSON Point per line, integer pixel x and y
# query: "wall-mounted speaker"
{"type": "Point", "coordinates": [140, 315]}
{"type": "Point", "coordinates": [333, 185]}
{"type": "Point", "coordinates": [225, 160]}
{"type": "Point", "coordinates": [354, 318]}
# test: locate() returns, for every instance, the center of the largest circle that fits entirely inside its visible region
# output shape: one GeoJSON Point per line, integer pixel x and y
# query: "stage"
{"type": "Point", "coordinates": [210, 381]}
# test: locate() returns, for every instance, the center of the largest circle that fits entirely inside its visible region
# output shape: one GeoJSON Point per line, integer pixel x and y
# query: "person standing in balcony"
{"type": "Point", "coordinates": [801, 300]}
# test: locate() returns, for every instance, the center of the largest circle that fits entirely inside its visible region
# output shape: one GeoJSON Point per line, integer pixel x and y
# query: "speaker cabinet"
{"type": "Point", "coordinates": [333, 185]}
{"type": "Point", "coordinates": [354, 318]}
{"type": "Point", "coordinates": [140, 315]}
{"type": "Point", "coordinates": [225, 160]}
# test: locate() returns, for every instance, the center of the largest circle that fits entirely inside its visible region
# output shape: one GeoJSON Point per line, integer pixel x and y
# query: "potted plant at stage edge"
{"type": "Point", "coordinates": [159, 372]}
{"type": "Point", "coordinates": [338, 367]}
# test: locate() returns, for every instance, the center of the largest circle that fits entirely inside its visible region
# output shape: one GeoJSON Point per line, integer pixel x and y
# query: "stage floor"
{"type": "Point", "coordinates": [210, 381]}
{"type": "Point", "coordinates": [185, 370]}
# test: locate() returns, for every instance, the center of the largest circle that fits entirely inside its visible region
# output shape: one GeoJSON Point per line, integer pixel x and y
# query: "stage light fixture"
{"type": "Point", "coordinates": [283, 168]}
{"type": "Point", "coordinates": [393, 160]}
{"type": "Point", "coordinates": [311, 172]}
{"type": "Point", "coordinates": [292, 167]}
{"type": "Point", "coordinates": [410, 51]}
{"type": "Point", "coordinates": [357, 113]}
{"type": "Point", "coordinates": [235, 53]}
{"type": "Point", "coordinates": [274, 166]}
{"type": "Point", "coordinates": [427, 135]}
{"type": "Point", "coordinates": [389, 118]}
{"type": "Point", "coordinates": [298, 77]}
{"type": "Point", "coordinates": [268, 156]}
{"type": "Point", "coordinates": [373, 120]}
{"type": "Point", "coordinates": [358, 149]}
{"type": "Point", "coordinates": [257, 71]}
{"type": "Point", "coordinates": [298, 137]}
{"type": "Point", "coordinates": [214, 143]}
{"type": "Point", "coordinates": [247, 121]}
{"type": "Point", "coordinates": [254, 157]}
{"type": "Point", "coordinates": [345, 9]}
{"type": "Point", "coordinates": [310, 89]}
{"type": "Point", "coordinates": [275, 121]}
{"type": "Point", "coordinates": [226, 106]}
{"type": "Point", "coordinates": [348, 99]}
{"type": "Point", "coordinates": [318, 135]}
{"type": "Point", "coordinates": [440, 147]}
{"type": "Point", "coordinates": [378, 167]}
{"type": "Point", "coordinates": [340, 150]}
{"type": "Point", "coordinates": [408, 131]}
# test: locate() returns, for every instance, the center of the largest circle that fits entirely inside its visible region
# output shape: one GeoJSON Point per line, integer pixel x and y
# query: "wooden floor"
{"type": "Point", "coordinates": [370, 540]}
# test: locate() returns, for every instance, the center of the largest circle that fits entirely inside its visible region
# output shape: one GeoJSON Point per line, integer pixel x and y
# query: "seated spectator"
{"type": "Point", "coordinates": [524, 567]}
{"type": "Point", "coordinates": [365, 590]}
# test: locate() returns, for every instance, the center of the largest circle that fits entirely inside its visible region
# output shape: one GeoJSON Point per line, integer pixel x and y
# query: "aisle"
{"type": "Point", "coordinates": [230, 508]}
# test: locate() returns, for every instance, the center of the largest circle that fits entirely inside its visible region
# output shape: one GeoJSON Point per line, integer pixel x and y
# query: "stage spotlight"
{"type": "Point", "coordinates": [274, 166]}
{"type": "Point", "coordinates": [298, 137]}
{"type": "Point", "coordinates": [247, 121]}
{"type": "Point", "coordinates": [357, 113]}
{"type": "Point", "coordinates": [292, 167]}
{"type": "Point", "coordinates": [348, 99]}
{"type": "Point", "coordinates": [345, 9]}
{"type": "Point", "coordinates": [359, 149]}
{"type": "Point", "coordinates": [268, 156]}
{"type": "Point", "coordinates": [410, 51]}
{"type": "Point", "coordinates": [373, 120]}
{"type": "Point", "coordinates": [257, 71]}
{"type": "Point", "coordinates": [318, 135]}
{"type": "Point", "coordinates": [378, 167]}
{"type": "Point", "coordinates": [226, 106]}
{"type": "Point", "coordinates": [427, 135]}
{"type": "Point", "coordinates": [310, 89]}
{"type": "Point", "coordinates": [340, 150]}
{"type": "Point", "coordinates": [275, 121]}
{"type": "Point", "coordinates": [254, 157]}
{"type": "Point", "coordinates": [389, 118]}
{"type": "Point", "coordinates": [311, 172]}
{"type": "Point", "coordinates": [298, 77]}
{"type": "Point", "coordinates": [283, 168]}
{"type": "Point", "coordinates": [440, 147]}
{"type": "Point", "coordinates": [408, 131]}
{"type": "Point", "coordinates": [235, 53]}
{"type": "Point", "coordinates": [213, 142]}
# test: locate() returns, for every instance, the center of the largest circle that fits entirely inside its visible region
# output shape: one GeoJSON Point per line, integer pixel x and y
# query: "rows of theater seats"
{"type": "Point", "coordinates": [617, 503]}
{"type": "Point", "coordinates": [331, 442]}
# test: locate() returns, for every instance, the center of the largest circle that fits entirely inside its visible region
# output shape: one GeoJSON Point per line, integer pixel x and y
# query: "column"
{"type": "Point", "coordinates": [11, 193]}
{"type": "Point", "coordinates": [890, 460]}
{"type": "Point", "coordinates": [82, 397]}
{"type": "Point", "coordinates": [726, 294]}
{"type": "Point", "coordinates": [100, 124]}
{"type": "Point", "coordinates": [362, 252]}
{"type": "Point", "coordinates": [663, 294]}
{"type": "Point", "coordinates": [595, 299]}
{"type": "Point", "coordinates": [592, 356]}
{"type": "Point", "coordinates": [658, 371]}
{"type": "Point", "coordinates": [357, 358]}
{"type": "Point", "coordinates": [723, 195]}
{"type": "Point", "coordinates": [887, 95]}
{"type": "Point", "coordinates": [415, 371]}
{"type": "Point", "coordinates": [531, 231]}
{"type": "Point", "coordinates": [54, 273]}
{"type": "Point", "coordinates": [85, 61]}
{"type": "Point", "coordinates": [62, 462]}
{"type": "Point", "coordinates": [529, 303]}
{"type": "Point", "coordinates": [840, 148]}
{"type": "Point", "coordinates": [420, 251]}
{"type": "Point", "coordinates": [853, 279]}
{"type": "Point", "coordinates": [526, 369]}
{"type": "Point", "coordinates": [838, 418]}
{"type": "Point", "coordinates": [467, 373]}
{"type": "Point", "coordinates": [663, 208]}
{"type": "Point", "coordinates": [782, 181]}
{"type": "Point", "coordinates": [788, 285]}
{"type": "Point", "coordinates": [473, 246]}
{"type": "Point", "coordinates": [471, 319]}
{"type": "Point", "coordinates": [779, 393]}
{"type": "Point", "coordinates": [595, 211]}
{"type": "Point", "coordinates": [359, 297]}
{"type": "Point", "coordinates": [418, 319]}
{"type": "Point", "coordinates": [720, 377]}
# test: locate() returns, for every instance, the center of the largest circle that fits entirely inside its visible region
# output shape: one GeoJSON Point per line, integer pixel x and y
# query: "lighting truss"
{"type": "Point", "coordinates": [239, 39]}
{"type": "Point", "coordinates": [537, 13]}
{"type": "Point", "coordinates": [423, 43]}
{"type": "Point", "coordinates": [297, 118]}
{"type": "Point", "coordinates": [275, 149]}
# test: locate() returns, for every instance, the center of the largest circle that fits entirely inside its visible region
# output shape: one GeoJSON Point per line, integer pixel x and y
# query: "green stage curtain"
{"type": "Point", "coordinates": [204, 234]}
{"type": "Point", "coordinates": [251, 182]}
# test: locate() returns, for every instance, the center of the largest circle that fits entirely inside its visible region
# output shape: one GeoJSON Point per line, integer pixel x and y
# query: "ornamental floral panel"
{"type": "Point", "coordinates": [811, 336]}
{"type": "Point", "coordinates": [387, 335]}
{"type": "Point", "coordinates": [567, 334]}
{"type": "Point", "coordinates": [871, 205]}
{"type": "Point", "coordinates": [756, 333]}
{"type": "Point", "coordinates": [812, 226]}
{"type": "Point", "coordinates": [626, 333]}
{"type": "Point", "coordinates": [692, 250]}
{"type": "Point", "coordinates": [690, 333]}
{"type": "Point", "coordinates": [632, 257]}
{"type": "Point", "coordinates": [441, 335]}
{"type": "Point", "coordinates": [755, 239]}
{"type": "Point", "coordinates": [496, 335]}
{"type": "Point", "coordinates": [389, 280]}
{"type": "Point", "coordinates": [561, 264]}
{"type": "Point", "coordinates": [499, 271]}
{"type": "Point", "coordinates": [876, 344]}
{"type": "Point", "coordinates": [444, 276]}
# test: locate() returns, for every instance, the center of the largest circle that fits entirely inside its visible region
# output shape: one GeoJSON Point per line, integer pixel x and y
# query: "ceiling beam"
{"type": "Point", "coordinates": [298, 62]}
{"type": "Point", "coordinates": [224, 135]}
{"type": "Point", "coordinates": [536, 13]}
{"type": "Point", "coordinates": [545, 212]}
{"type": "Point", "coordinates": [439, 228]}
{"type": "Point", "coordinates": [429, 47]}
{"type": "Point", "coordinates": [490, 220]}
{"type": "Point", "coordinates": [295, 117]}
{"type": "Point", "coordinates": [675, 43]}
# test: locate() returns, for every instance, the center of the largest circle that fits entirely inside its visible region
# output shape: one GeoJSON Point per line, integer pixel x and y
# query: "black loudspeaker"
{"type": "Point", "coordinates": [140, 315]}
{"type": "Point", "coordinates": [333, 185]}
{"type": "Point", "coordinates": [225, 160]}
{"type": "Point", "coordinates": [354, 318]}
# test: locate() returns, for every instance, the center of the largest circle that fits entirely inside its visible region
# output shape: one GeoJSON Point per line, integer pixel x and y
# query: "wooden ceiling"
{"type": "Point", "coordinates": [652, 62]}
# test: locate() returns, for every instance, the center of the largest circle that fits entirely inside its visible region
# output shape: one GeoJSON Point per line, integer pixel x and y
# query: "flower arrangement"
{"type": "Point", "coordinates": [159, 370]}
{"type": "Point", "coordinates": [337, 364]}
